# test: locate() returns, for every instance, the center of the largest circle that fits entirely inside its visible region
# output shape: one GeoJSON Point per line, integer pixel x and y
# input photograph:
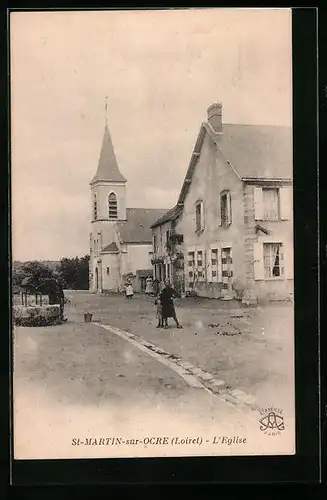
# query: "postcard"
{"type": "Point", "coordinates": [152, 233]}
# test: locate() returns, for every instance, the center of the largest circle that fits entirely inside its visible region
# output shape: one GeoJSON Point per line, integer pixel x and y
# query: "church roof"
{"type": "Point", "coordinates": [108, 169]}
{"type": "Point", "coordinates": [111, 248]}
{"type": "Point", "coordinates": [137, 227]}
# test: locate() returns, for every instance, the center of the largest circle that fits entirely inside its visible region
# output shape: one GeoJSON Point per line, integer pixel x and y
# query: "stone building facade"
{"type": "Point", "coordinates": [120, 239]}
{"type": "Point", "coordinates": [236, 207]}
{"type": "Point", "coordinates": [168, 249]}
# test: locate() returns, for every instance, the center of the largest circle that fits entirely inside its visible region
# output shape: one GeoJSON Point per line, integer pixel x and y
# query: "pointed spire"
{"type": "Point", "coordinates": [108, 169]}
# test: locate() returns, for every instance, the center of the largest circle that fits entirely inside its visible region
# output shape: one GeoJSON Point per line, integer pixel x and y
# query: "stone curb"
{"type": "Point", "coordinates": [236, 397]}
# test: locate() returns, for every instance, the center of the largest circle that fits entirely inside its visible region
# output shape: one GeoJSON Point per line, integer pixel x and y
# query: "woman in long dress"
{"type": "Point", "coordinates": [167, 304]}
{"type": "Point", "coordinates": [129, 292]}
{"type": "Point", "coordinates": [149, 286]}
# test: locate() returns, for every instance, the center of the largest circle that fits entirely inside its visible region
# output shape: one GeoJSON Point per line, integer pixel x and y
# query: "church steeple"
{"type": "Point", "coordinates": [108, 169]}
{"type": "Point", "coordinates": [108, 186]}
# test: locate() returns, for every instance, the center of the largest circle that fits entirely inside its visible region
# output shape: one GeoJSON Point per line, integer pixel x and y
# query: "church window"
{"type": "Point", "coordinates": [113, 206]}
{"type": "Point", "coordinates": [95, 207]}
{"type": "Point", "coordinates": [108, 270]}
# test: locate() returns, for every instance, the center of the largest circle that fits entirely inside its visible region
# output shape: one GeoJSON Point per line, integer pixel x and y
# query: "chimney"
{"type": "Point", "coordinates": [215, 117]}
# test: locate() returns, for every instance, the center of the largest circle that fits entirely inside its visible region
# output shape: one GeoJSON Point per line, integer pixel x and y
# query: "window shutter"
{"type": "Point", "coordinates": [209, 266]}
{"type": "Point", "coordinates": [258, 261]}
{"type": "Point", "coordinates": [288, 261]}
{"type": "Point", "coordinates": [204, 264]}
{"type": "Point", "coordinates": [219, 270]}
{"type": "Point", "coordinates": [229, 208]}
{"type": "Point", "coordinates": [258, 205]}
{"type": "Point", "coordinates": [286, 202]}
{"type": "Point", "coordinates": [202, 215]}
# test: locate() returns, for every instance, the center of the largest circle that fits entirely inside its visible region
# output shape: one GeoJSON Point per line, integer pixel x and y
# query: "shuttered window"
{"type": "Point", "coordinates": [270, 201]}
{"type": "Point", "coordinates": [213, 265]}
{"type": "Point", "coordinates": [199, 216]}
{"type": "Point", "coordinates": [199, 259]}
{"type": "Point", "coordinates": [226, 208]}
{"type": "Point", "coordinates": [273, 203]}
{"type": "Point", "coordinates": [273, 260]}
{"type": "Point", "coordinates": [113, 206]}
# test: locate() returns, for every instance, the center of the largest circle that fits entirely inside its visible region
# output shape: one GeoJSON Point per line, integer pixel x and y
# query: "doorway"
{"type": "Point", "coordinates": [96, 278]}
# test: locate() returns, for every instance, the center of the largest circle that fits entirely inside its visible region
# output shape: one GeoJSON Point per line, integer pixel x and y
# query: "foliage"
{"type": "Point", "coordinates": [74, 273]}
{"type": "Point", "coordinates": [36, 315]}
{"type": "Point", "coordinates": [33, 273]}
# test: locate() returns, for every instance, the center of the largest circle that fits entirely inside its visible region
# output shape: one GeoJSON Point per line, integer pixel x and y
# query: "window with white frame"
{"type": "Point", "coordinates": [273, 203]}
{"type": "Point", "coordinates": [113, 206]}
{"type": "Point", "coordinates": [199, 216]}
{"type": "Point", "coordinates": [226, 208]}
{"type": "Point", "coordinates": [270, 203]}
{"type": "Point", "coordinates": [273, 260]}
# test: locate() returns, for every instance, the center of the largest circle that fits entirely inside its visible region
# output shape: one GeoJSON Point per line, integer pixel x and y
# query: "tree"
{"type": "Point", "coordinates": [34, 272]}
{"type": "Point", "coordinates": [74, 273]}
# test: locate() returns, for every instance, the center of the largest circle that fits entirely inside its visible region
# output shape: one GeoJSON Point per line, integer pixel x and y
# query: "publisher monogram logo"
{"type": "Point", "coordinates": [272, 421]}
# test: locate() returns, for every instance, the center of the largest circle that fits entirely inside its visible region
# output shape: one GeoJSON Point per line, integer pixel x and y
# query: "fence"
{"type": "Point", "coordinates": [31, 300]}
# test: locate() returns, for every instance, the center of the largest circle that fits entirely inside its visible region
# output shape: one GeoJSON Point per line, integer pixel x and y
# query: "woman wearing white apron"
{"type": "Point", "coordinates": [149, 286]}
{"type": "Point", "coordinates": [129, 290]}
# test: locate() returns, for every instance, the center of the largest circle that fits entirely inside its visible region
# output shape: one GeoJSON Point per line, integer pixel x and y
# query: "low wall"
{"type": "Point", "coordinates": [274, 290]}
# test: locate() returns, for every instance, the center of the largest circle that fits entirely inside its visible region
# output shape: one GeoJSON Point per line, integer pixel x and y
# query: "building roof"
{"type": "Point", "coordinates": [253, 151]}
{"type": "Point", "coordinates": [137, 227]}
{"type": "Point", "coordinates": [169, 216]}
{"type": "Point", "coordinates": [263, 151]}
{"type": "Point", "coordinates": [111, 248]}
{"type": "Point", "coordinates": [108, 169]}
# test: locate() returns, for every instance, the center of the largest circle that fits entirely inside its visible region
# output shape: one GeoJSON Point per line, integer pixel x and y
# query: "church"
{"type": "Point", "coordinates": [120, 237]}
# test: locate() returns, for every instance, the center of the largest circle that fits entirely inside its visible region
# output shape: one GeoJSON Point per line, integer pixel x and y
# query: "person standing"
{"type": "Point", "coordinates": [149, 286]}
{"type": "Point", "coordinates": [129, 292]}
{"type": "Point", "coordinates": [167, 304]}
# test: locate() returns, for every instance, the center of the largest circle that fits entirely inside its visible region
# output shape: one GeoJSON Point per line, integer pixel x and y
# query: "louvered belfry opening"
{"type": "Point", "coordinates": [113, 206]}
{"type": "Point", "coordinates": [95, 207]}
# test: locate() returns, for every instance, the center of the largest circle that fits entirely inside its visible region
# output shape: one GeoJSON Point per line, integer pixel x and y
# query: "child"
{"type": "Point", "coordinates": [159, 313]}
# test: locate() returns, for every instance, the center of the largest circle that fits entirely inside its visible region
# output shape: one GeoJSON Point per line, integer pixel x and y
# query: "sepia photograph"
{"type": "Point", "coordinates": [152, 233]}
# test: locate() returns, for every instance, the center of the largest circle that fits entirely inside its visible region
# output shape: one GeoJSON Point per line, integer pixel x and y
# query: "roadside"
{"type": "Point", "coordinates": [78, 381]}
{"type": "Point", "coordinates": [248, 349]}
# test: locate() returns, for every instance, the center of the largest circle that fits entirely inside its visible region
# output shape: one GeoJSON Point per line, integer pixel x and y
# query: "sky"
{"type": "Point", "coordinates": [160, 70]}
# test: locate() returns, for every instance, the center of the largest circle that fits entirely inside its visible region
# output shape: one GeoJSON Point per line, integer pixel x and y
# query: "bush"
{"type": "Point", "coordinates": [36, 315]}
